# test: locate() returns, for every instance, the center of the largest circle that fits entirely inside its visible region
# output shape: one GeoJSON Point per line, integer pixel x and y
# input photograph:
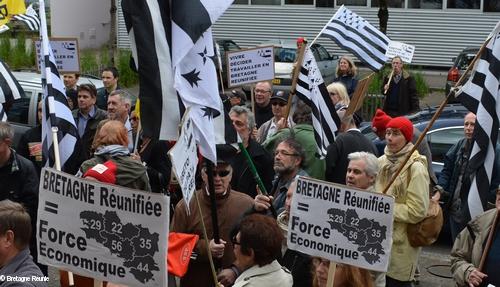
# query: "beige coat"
{"type": "Point", "coordinates": [466, 252]}
{"type": "Point", "coordinates": [411, 192]}
{"type": "Point", "coordinates": [270, 275]}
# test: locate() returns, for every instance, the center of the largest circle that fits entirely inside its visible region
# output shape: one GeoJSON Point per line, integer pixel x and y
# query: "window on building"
{"type": "Point", "coordinates": [465, 4]}
{"type": "Point", "coordinates": [425, 4]}
{"type": "Point", "coordinates": [324, 3]}
{"type": "Point", "coordinates": [390, 3]}
{"type": "Point", "coordinates": [299, 2]}
{"type": "Point", "coordinates": [266, 2]}
{"type": "Point", "coordinates": [491, 6]}
{"type": "Point", "coordinates": [240, 2]}
{"type": "Point", "coordinates": [351, 2]}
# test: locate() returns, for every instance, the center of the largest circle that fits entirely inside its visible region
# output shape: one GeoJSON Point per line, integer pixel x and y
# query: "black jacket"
{"type": "Point", "coordinates": [89, 133]}
{"type": "Point", "coordinates": [158, 164]}
{"type": "Point", "coordinates": [30, 147]}
{"type": "Point", "coordinates": [336, 154]}
{"type": "Point", "coordinates": [243, 180]}
{"type": "Point", "coordinates": [300, 265]}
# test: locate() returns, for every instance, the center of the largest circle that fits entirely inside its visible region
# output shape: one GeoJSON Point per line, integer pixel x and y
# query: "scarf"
{"type": "Point", "coordinates": [395, 160]}
{"type": "Point", "coordinates": [112, 150]}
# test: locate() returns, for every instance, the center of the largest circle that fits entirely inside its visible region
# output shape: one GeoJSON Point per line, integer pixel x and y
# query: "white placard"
{"type": "Point", "coordinates": [250, 66]}
{"type": "Point", "coordinates": [65, 53]}
{"type": "Point", "coordinates": [184, 158]}
{"type": "Point", "coordinates": [102, 231]}
{"type": "Point", "coordinates": [342, 224]}
{"type": "Point", "coordinates": [400, 49]}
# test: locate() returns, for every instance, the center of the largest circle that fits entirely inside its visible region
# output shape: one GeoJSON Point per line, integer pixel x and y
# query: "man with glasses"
{"type": "Point", "coordinates": [400, 90]}
{"type": "Point", "coordinates": [231, 206]}
{"type": "Point", "coordinates": [263, 111]}
{"type": "Point", "coordinates": [87, 117]}
{"type": "Point", "coordinates": [279, 103]}
{"type": "Point", "coordinates": [243, 179]}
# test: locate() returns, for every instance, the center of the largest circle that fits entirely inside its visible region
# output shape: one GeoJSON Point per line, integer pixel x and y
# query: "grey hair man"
{"type": "Point", "coordinates": [243, 180]}
{"type": "Point", "coordinates": [119, 104]}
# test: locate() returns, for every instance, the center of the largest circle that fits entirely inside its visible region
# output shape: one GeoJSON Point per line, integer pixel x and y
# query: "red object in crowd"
{"type": "Point", "coordinates": [180, 247]}
{"type": "Point", "coordinates": [404, 125]}
{"type": "Point", "coordinates": [380, 120]}
{"type": "Point", "coordinates": [105, 172]}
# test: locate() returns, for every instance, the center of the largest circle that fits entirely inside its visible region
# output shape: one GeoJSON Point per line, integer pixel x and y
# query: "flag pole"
{"type": "Point", "coordinates": [324, 27]}
{"type": "Point", "coordinates": [331, 274]}
{"type": "Point", "coordinates": [209, 253]}
{"type": "Point", "coordinates": [491, 235]}
{"type": "Point", "coordinates": [256, 176]}
{"type": "Point", "coordinates": [450, 95]}
{"type": "Point", "coordinates": [389, 82]}
{"type": "Point", "coordinates": [295, 76]}
{"type": "Point", "coordinates": [213, 203]}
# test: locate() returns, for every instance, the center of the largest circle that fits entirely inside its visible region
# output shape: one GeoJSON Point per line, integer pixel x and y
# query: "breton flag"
{"type": "Point", "coordinates": [193, 58]}
{"type": "Point", "coordinates": [56, 112]}
{"type": "Point", "coordinates": [312, 90]}
{"type": "Point", "coordinates": [10, 89]}
{"type": "Point", "coordinates": [481, 95]}
{"type": "Point", "coordinates": [174, 55]}
{"type": "Point", "coordinates": [30, 18]}
{"type": "Point", "coordinates": [3, 114]}
{"type": "Point", "coordinates": [353, 33]}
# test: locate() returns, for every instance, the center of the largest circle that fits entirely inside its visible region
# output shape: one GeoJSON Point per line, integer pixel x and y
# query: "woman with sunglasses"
{"type": "Point", "coordinates": [279, 102]}
{"type": "Point", "coordinates": [257, 246]}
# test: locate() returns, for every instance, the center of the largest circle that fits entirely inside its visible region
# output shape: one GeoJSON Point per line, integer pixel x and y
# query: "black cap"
{"type": "Point", "coordinates": [240, 94]}
{"type": "Point", "coordinates": [225, 153]}
{"type": "Point", "coordinates": [280, 95]}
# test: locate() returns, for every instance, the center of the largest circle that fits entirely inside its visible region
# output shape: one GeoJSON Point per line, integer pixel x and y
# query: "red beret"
{"type": "Point", "coordinates": [404, 125]}
{"type": "Point", "coordinates": [380, 120]}
{"type": "Point", "coordinates": [105, 172]}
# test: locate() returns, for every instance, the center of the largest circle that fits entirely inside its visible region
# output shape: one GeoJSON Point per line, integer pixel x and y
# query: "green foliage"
{"type": "Point", "coordinates": [127, 76]}
{"type": "Point", "coordinates": [104, 57]}
{"type": "Point", "coordinates": [88, 63]}
{"type": "Point", "coordinates": [422, 87]}
{"type": "Point", "coordinates": [17, 56]}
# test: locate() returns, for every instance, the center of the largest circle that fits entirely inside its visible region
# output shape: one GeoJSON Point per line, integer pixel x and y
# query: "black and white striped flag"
{"type": "Point", "coordinates": [30, 18]}
{"type": "Point", "coordinates": [312, 90]}
{"type": "Point", "coordinates": [481, 95]}
{"type": "Point", "coordinates": [3, 114]}
{"type": "Point", "coordinates": [10, 89]}
{"type": "Point", "coordinates": [353, 33]}
{"type": "Point", "coordinates": [56, 112]}
{"type": "Point", "coordinates": [174, 54]}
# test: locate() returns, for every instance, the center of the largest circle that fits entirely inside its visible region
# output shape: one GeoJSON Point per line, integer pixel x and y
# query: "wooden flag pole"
{"type": "Point", "coordinates": [252, 98]}
{"type": "Point", "coordinates": [331, 274]}
{"type": "Point", "coordinates": [436, 115]}
{"type": "Point", "coordinates": [491, 236]}
{"type": "Point", "coordinates": [295, 76]}
{"type": "Point", "coordinates": [209, 253]}
{"type": "Point", "coordinates": [389, 81]}
{"type": "Point", "coordinates": [213, 205]}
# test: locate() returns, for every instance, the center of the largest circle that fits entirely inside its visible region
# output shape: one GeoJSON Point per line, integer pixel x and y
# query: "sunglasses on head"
{"type": "Point", "coordinates": [281, 104]}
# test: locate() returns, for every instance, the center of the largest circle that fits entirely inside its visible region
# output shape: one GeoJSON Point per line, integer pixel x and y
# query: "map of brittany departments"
{"type": "Point", "coordinates": [133, 243]}
{"type": "Point", "coordinates": [367, 234]}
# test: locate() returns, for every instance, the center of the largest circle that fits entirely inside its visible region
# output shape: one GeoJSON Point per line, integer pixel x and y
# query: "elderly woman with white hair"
{"type": "Point", "coordinates": [339, 96]}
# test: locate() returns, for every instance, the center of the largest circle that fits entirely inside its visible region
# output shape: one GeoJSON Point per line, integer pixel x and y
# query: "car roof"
{"type": "Point", "coordinates": [287, 44]}
{"type": "Point", "coordinates": [35, 79]}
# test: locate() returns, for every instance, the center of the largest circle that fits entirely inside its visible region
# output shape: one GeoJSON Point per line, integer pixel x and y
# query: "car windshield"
{"type": "Point", "coordinates": [284, 55]}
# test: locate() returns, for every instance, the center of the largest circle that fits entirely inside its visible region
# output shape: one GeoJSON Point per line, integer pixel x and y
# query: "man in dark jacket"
{"type": "Point", "coordinates": [401, 92]}
{"type": "Point", "coordinates": [30, 143]}
{"type": "Point", "coordinates": [349, 140]}
{"type": "Point", "coordinates": [15, 234]}
{"type": "Point", "coordinates": [243, 179]}
{"type": "Point", "coordinates": [87, 117]}
{"type": "Point", "coordinates": [18, 177]}
{"type": "Point", "coordinates": [455, 173]}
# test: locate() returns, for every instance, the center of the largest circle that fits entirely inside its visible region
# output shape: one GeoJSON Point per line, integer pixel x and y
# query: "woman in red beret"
{"type": "Point", "coordinates": [411, 192]}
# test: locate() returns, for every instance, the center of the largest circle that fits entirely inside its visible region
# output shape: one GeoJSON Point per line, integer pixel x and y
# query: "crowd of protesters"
{"type": "Point", "coordinates": [250, 249]}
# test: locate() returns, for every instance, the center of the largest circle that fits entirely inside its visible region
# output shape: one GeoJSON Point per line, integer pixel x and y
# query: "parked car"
{"type": "Point", "coordinates": [285, 55]}
{"type": "Point", "coordinates": [460, 64]}
{"type": "Point", "coordinates": [22, 113]}
{"type": "Point", "coordinates": [226, 45]}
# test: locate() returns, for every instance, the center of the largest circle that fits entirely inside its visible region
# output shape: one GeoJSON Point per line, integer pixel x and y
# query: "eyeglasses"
{"type": "Point", "coordinates": [234, 241]}
{"type": "Point", "coordinates": [239, 124]}
{"type": "Point", "coordinates": [222, 173]}
{"type": "Point", "coordinates": [281, 104]}
{"type": "Point", "coordinates": [262, 91]}
{"type": "Point", "coordinates": [134, 118]}
{"type": "Point", "coordinates": [282, 152]}
{"type": "Point", "coordinates": [332, 94]}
